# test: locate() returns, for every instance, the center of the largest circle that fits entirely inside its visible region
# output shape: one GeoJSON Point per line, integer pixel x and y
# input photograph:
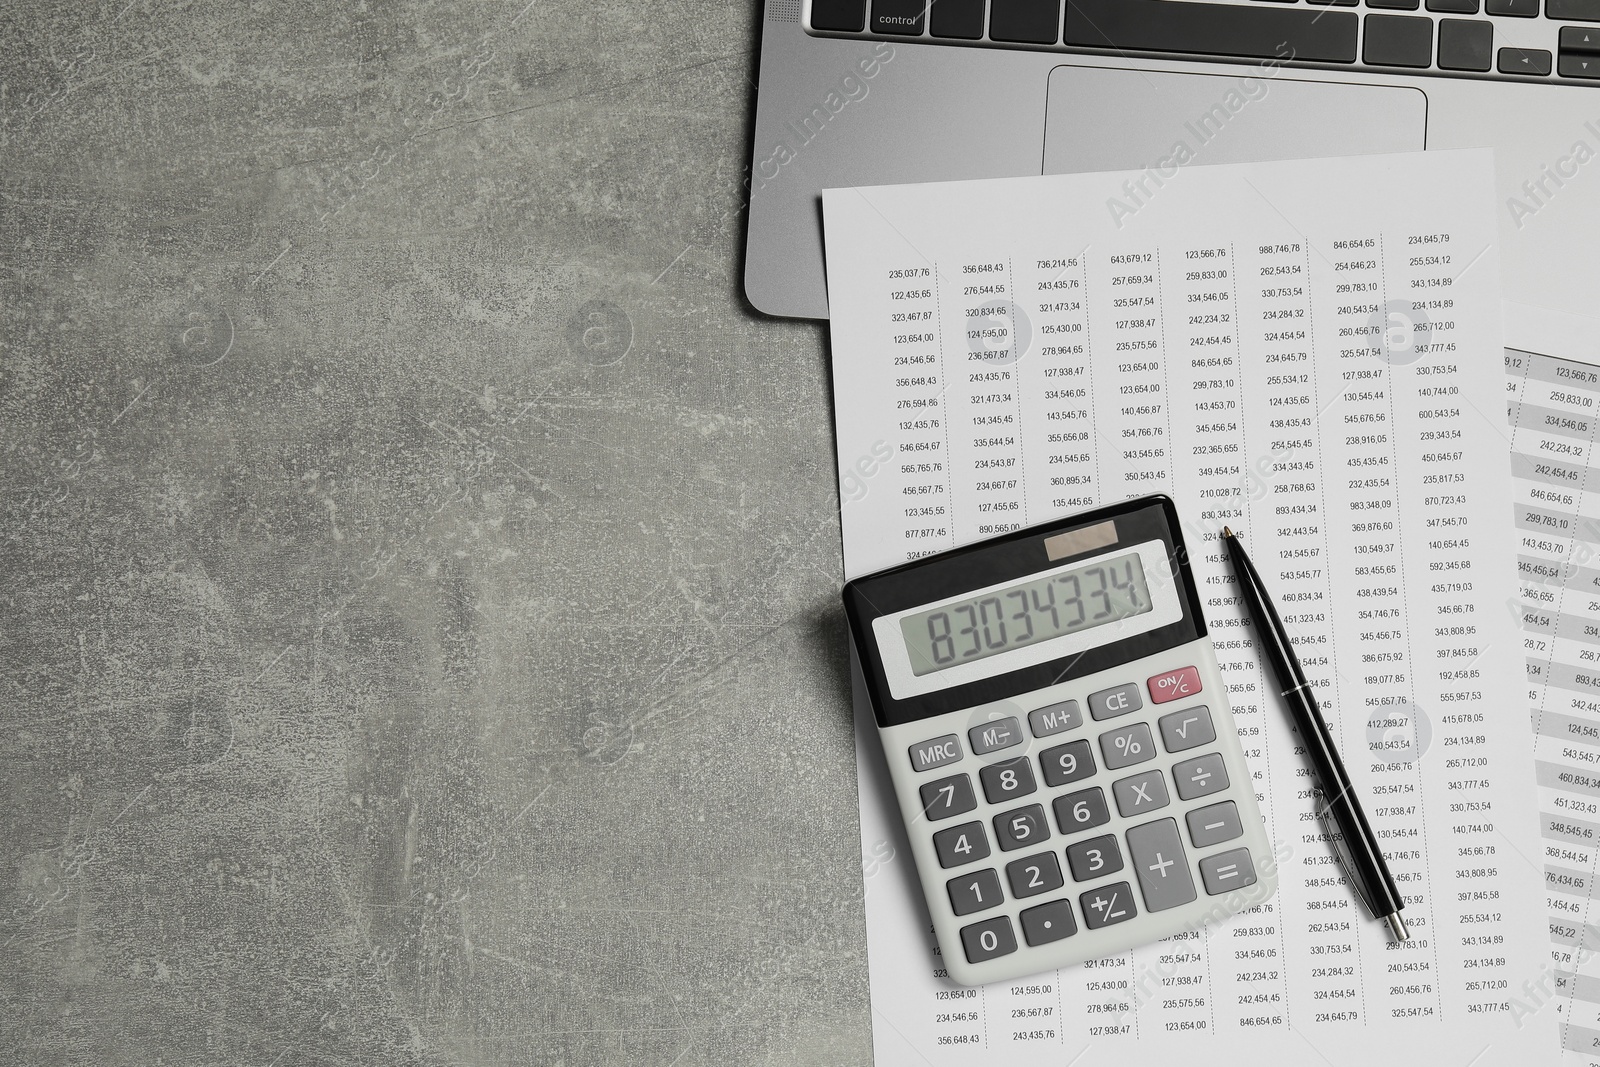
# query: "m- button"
{"type": "Point", "coordinates": [995, 735]}
{"type": "Point", "coordinates": [1174, 685]}
{"type": "Point", "coordinates": [926, 755]}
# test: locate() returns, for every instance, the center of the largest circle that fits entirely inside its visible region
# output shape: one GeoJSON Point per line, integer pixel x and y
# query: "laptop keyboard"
{"type": "Point", "coordinates": [1509, 40]}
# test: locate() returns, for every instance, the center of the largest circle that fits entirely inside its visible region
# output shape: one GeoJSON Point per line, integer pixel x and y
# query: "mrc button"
{"type": "Point", "coordinates": [926, 755]}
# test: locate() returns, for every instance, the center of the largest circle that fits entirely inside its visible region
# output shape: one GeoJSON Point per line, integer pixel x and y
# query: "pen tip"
{"type": "Point", "coordinates": [1226, 532]}
{"type": "Point", "coordinates": [1398, 925]}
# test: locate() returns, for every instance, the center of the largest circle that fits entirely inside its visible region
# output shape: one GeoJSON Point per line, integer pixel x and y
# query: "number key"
{"type": "Point", "coordinates": [947, 797]}
{"type": "Point", "coordinates": [1021, 827]}
{"type": "Point", "coordinates": [1003, 781]}
{"type": "Point", "coordinates": [974, 892]}
{"type": "Point", "coordinates": [961, 844]}
{"type": "Point", "coordinates": [1066, 763]}
{"type": "Point", "coordinates": [988, 939]}
{"type": "Point", "coordinates": [1081, 810]}
{"type": "Point", "coordinates": [1094, 857]}
{"type": "Point", "coordinates": [1033, 875]}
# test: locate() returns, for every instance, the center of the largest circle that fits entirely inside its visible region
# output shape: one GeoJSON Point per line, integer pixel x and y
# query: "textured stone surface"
{"type": "Point", "coordinates": [420, 638]}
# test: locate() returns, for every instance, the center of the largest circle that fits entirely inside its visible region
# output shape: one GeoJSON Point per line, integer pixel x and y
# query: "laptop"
{"type": "Point", "coordinates": [873, 92]}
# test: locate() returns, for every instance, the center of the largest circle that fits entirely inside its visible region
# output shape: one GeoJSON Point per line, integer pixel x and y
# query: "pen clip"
{"type": "Point", "coordinates": [1341, 850]}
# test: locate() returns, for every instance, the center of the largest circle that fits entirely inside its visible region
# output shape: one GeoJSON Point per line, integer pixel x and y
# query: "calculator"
{"type": "Point", "coordinates": [1060, 742]}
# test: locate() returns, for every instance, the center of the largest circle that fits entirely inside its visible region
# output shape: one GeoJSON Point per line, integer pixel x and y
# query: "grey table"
{"type": "Point", "coordinates": [420, 637]}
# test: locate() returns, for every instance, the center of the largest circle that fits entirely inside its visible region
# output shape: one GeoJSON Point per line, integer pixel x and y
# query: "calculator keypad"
{"type": "Point", "coordinates": [1157, 845]}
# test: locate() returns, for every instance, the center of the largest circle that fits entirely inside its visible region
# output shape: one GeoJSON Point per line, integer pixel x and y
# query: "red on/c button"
{"type": "Point", "coordinates": [1174, 685]}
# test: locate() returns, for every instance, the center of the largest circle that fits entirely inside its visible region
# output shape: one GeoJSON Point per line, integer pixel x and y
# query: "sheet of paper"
{"type": "Point", "coordinates": [1309, 351]}
{"type": "Point", "coordinates": [1553, 384]}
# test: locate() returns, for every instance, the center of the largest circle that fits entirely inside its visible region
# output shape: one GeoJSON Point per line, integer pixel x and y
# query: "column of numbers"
{"type": "Point", "coordinates": [1134, 434]}
{"type": "Point", "coordinates": [985, 412]}
{"type": "Point", "coordinates": [919, 457]}
{"type": "Point", "coordinates": [1059, 371]}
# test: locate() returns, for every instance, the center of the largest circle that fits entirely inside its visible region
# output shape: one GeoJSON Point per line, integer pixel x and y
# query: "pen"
{"type": "Point", "coordinates": [1367, 866]}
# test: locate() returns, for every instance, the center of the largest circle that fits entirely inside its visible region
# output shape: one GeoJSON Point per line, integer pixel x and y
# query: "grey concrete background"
{"type": "Point", "coordinates": [419, 567]}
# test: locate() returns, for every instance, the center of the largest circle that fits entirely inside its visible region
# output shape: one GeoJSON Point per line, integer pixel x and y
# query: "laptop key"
{"type": "Point", "coordinates": [1333, 3]}
{"type": "Point", "coordinates": [1534, 61]}
{"type": "Point", "coordinates": [1397, 41]}
{"type": "Point", "coordinates": [961, 19]}
{"type": "Point", "coordinates": [1579, 39]}
{"type": "Point", "coordinates": [1024, 21]}
{"type": "Point", "coordinates": [901, 16]}
{"type": "Point", "coordinates": [847, 15]}
{"type": "Point", "coordinates": [1454, 7]}
{"type": "Point", "coordinates": [1212, 29]}
{"type": "Point", "coordinates": [1522, 9]}
{"type": "Point", "coordinates": [1578, 65]}
{"type": "Point", "coordinates": [1465, 44]}
{"type": "Point", "coordinates": [1398, 5]}
{"type": "Point", "coordinates": [1572, 10]}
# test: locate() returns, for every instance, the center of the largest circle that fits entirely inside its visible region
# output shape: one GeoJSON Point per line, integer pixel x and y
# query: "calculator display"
{"type": "Point", "coordinates": [998, 620]}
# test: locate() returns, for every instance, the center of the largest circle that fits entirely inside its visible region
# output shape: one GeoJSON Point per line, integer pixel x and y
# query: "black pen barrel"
{"type": "Point", "coordinates": [1333, 782]}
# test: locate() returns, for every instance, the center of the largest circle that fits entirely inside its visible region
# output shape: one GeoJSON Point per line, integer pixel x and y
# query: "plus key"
{"type": "Point", "coordinates": [1174, 685]}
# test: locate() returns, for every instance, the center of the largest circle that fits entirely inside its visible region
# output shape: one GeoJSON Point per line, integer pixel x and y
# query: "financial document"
{"type": "Point", "coordinates": [1309, 351]}
{"type": "Point", "coordinates": [1553, 384]}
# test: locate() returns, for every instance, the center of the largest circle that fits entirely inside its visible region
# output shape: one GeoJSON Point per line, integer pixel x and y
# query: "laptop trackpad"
{"type": "Point", "coordinates": [1102, 118]}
